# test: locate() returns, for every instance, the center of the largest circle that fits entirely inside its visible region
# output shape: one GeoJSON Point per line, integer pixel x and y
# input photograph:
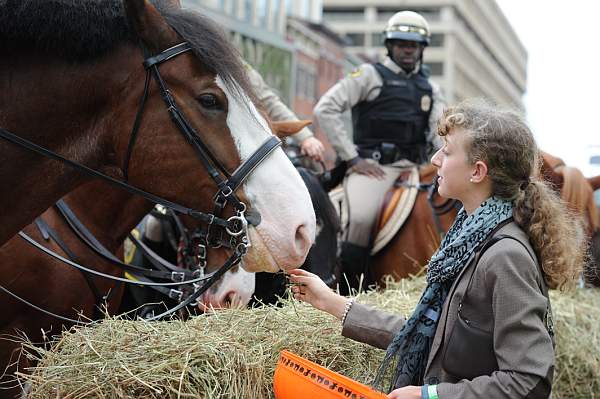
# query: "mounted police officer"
{"type": "Point", "coordinates": [395, 107]}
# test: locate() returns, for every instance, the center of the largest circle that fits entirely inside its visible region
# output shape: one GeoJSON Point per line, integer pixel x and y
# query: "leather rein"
{"type": "Point", "coordinates": [236, 227]}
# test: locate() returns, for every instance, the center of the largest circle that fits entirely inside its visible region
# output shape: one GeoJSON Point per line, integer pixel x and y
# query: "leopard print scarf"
{"type": "Point", "coordinates": [409, 349]}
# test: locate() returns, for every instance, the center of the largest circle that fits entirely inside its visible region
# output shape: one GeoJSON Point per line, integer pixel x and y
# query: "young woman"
{"type": "Point", "coordinates": [483, 326]}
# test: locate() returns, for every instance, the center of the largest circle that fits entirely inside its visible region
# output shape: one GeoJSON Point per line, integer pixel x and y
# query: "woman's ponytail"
{"type": "Point", "coordinates": [554, 233]}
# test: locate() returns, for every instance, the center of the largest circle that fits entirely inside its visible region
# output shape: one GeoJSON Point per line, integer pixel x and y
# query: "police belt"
{"type": "Point", "coordinates": [384, 155]}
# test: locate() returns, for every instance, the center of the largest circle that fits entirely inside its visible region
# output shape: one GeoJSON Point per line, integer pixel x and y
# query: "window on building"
{"type": "Point", "coordinates": [437, 40]}
{"type": "Point", "coordinates": [377, 39]}
{"type": "Point", "coordinates": [306, 84]}
{"type": "Point", "coordinates": [248, 10]}
{"type": "Point", "coordinates": [356, 39]}
{"type": "Point", "coordinates": [344, 14]}
{"type": "Point", "coordinates": [261, 10]}
{"type": "Point", "coordinates": [436, 68]}
{"type": "Point", "coordinates": [385, 13]}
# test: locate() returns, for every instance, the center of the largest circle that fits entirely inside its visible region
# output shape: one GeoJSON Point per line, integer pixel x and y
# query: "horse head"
{"type": "Point", "coordinates": [208, 86]}
{"type": "Point", "coordinates": [172, 116]}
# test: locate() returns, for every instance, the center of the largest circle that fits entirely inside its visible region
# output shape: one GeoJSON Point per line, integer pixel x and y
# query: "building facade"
{"type": "Point", "coordinates": [474, 51]}
{"type": "Point", "coordinates": [283, 39]}
{"type": "Point", "coordinates": [258, 29]}
{"type": "Point", "coordinates": [320, 63]}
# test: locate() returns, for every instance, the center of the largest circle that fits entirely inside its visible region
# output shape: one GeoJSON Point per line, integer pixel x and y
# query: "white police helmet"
{"type": "Point", "coordinates": [407, 25]}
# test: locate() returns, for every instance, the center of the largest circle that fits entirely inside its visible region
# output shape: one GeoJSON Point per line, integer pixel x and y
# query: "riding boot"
{"type": "Point", "coordinates": [355, 262]}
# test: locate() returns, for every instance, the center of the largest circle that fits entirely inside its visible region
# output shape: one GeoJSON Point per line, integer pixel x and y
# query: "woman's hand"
{"type": "Point", "coordinates": [308, 287]}
{"type": "Point", "coordinates": [408, 392]}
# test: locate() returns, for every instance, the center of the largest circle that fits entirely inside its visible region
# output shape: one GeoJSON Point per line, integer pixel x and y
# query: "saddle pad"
{"type": "Point", "coordinates": [397, 210]}
{"type": "Point", "coordinates": [395, 218]}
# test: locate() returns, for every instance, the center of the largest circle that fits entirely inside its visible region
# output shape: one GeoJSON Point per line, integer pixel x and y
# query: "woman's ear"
{"type": "Point", "coordinates": [479, 173]}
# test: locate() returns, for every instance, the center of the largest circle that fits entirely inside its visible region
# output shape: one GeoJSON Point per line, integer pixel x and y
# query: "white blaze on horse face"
{"type": "Point", "coordinates": [287, 229]}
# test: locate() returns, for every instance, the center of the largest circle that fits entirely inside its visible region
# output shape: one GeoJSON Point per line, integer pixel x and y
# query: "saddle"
{"type": "Point", "coordinates": [395, 208]}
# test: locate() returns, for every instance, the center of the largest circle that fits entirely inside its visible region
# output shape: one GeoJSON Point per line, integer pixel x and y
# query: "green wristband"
{"type": "Point", "coordinates": [432, 391]}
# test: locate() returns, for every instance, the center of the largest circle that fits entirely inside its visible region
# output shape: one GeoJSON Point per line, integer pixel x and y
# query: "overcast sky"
{"type": "Point", "coordinates": [563, 42]}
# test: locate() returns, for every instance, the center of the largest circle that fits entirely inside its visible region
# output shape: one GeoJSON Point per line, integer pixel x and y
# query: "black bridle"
{"type": "Point", "coordinates": [226, 183]}
{"type": "Point", "coordinates": [235, 226]}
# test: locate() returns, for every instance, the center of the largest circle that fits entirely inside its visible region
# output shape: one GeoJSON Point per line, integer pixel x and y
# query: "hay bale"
{"type": "Point", "coordinates": [233, 354]}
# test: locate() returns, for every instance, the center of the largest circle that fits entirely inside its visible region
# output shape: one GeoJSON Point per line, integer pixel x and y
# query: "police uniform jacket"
{"type": "Point", "coordinates": [506, 300]}
{"type": "Point", "coordinates": [365, 84]}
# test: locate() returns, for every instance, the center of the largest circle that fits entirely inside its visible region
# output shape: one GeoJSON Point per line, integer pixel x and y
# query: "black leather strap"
{"type": "Point", "coordinates": [211, 219]}
{"type": "Point", "coordinates": [98, 297]}
{"type": "Point", "coordinates": [244, 170]}
{"type": "Point", "coordinates": [167, 54]}
{"type": "Point", "coordinates": [128, 268]}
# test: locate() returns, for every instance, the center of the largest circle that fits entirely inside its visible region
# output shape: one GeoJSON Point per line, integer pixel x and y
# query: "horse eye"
{"type": "Point", "coordinates": [209, 101]}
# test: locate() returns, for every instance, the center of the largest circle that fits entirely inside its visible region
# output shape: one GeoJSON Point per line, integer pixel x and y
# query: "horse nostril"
{"type": "Point", "coordinates": [229, 300]}
{"type": "Point", "coordinates": [302, 240]}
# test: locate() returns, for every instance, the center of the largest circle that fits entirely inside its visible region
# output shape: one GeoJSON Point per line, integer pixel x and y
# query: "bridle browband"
{"type": "Point", "coordinates": [235, 226]}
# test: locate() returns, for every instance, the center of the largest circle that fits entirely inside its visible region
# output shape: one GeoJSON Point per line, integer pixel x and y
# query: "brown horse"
{"type": "Point", "coordinates": [419, 237]}
{"type": "Point", "coordinates": [72, 82]}
{"type": "Point", "coordinates": [577, 192]}
{"type": "Point", "coordinates": [109, 214]}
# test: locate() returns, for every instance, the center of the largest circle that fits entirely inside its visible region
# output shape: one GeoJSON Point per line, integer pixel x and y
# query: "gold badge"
{"type": "Point", "coordinates": [425, 103]}
{"type": "Point", "coordinates": [356, 73]}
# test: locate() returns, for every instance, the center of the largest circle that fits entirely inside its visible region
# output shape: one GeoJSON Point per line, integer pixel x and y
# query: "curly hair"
{"type": "Point", "coordinates": [501, 138]}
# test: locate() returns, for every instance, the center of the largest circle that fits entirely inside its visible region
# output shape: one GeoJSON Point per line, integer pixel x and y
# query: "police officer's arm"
{"type": "Point", "coordinates": [278, 111]}
{"type": "Point", "coordinates": [434, 141]}
{"type": "Point", "coordinates": [362, 84]}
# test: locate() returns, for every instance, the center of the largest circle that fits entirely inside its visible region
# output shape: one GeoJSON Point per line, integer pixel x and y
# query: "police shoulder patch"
{"type": "Point", "coordinates": [355, 73]}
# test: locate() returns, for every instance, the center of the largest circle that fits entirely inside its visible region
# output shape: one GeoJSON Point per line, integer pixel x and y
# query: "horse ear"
{"type": "Point", "coordinates": [149, 25]}
{"type": "Point", "coordinates": [284, 129]}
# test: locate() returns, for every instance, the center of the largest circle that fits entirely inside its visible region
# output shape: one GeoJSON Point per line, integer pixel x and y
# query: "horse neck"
{"type": "Point", "coordinates": [109, 213]}
{"type": "Point", "coordinates": [61, 106]}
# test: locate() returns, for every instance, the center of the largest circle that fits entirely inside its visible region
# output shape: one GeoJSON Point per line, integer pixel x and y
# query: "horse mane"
{"type": "Point", "coordinates": [74, 30]}
{"type": "Point", "coordinates": [80, 31]}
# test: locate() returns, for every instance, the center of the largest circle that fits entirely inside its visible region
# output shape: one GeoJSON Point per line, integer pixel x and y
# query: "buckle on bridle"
{"type": "Point", "coordinates": [238, 220]}
{"type": "Point", "coordinates": [178, 277]}
{"type": "Point", "coordinates": [227, 193]}
{"type": "Point", "coordinates": [176, 294]}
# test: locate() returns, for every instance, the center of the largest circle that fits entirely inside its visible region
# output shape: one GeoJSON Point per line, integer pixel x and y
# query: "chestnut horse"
{"type": "Point", "coordinates": [577, 192]}
{"type": "Point", "coordinates": [109, 214]}
{"type": "Point", "coordinates": [178, 126]}
{"type": "Point", "coordinates": [419, 237]}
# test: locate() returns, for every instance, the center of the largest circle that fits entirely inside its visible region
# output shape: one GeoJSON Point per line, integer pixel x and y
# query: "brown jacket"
{"type": "Point", "coordinates": [504, 299]}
